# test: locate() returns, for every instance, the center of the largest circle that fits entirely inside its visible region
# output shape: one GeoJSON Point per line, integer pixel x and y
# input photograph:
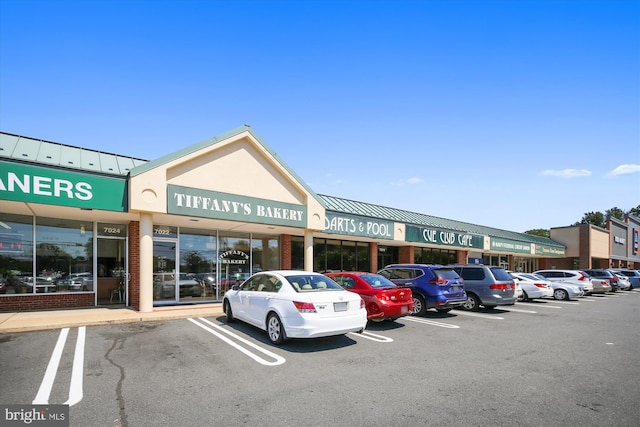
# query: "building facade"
{"type": "Point", "coordinates": [81, 228]}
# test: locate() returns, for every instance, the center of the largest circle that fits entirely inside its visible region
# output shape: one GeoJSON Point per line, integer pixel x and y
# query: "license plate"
{"type": "Point", "coordinates": [404, 309]}
{"type": "Point", "coordinates": [340, 306]}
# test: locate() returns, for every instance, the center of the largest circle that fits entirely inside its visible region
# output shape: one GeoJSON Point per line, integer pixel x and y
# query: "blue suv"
{"type": "Point", "coordinates": [432, 285]}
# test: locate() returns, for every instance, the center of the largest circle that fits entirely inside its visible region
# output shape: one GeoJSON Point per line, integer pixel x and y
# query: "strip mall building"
{"type": "Point", "coordinates": [83, 228]}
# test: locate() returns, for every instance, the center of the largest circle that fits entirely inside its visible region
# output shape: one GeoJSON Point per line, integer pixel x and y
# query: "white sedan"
{"type": "Point", "coordinates": [534, 287]}
{"type": "Point", "coordinates": [295, 304]}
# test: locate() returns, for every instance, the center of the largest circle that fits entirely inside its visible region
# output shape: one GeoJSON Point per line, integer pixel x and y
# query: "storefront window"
{"type": "Point", "coordinates": [434, 256]}
{"type": "Point", "coordinates": [64, 256]}
{"type": "Point", "coordinates": [265, 253]}
{"type": "Point", "coordinates": [340, 255]}
{"type": "Point", "coordinates": [349, 256]}
{"type": "Point", "coordinates": [16, 251]}
{"type": "Point", "coordinates": [297, 253]}
{"type": "Point", "coordinates": [498, 260]}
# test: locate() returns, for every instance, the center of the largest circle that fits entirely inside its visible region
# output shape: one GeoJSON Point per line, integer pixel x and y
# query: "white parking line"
{"type": "Point", "coordinates": [372, 337]}
{"type": "Point", "coordinates": [484, 316]}
{"type": "Point", "coordinates": [278, 360]}
{"type": "Point", "coordinates": [566, 302]}
{"type": "Point", "coordinates": [543, 305]}
{"type": "Point", "coordinates": [42, 397]}
{"type": "Point", "coordinates": [75, 387]}
{"type": "Point", "coordinates": [431, 322]}
{"type": "Point", "coordinates": [517, 310]}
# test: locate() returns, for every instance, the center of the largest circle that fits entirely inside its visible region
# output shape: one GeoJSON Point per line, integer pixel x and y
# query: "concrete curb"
{"type": "Point", "coordinates": [45, 320]}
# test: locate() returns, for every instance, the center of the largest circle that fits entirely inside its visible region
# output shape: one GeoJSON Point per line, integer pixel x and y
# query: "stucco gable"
{"type": "Point", "coordinates": [237, 162]}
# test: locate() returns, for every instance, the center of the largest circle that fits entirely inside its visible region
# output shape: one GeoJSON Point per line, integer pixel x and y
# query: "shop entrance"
{"type": "Point", "coordinates": [112, 271]}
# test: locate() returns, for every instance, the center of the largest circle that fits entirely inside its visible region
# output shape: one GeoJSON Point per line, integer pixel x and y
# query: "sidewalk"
{"type": "Point", "coordinates": [55, 319]}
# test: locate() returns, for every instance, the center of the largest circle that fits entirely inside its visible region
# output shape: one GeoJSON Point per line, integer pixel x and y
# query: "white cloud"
{"type": "Point", "coordinates": [410, 181]}
{"type": "Point", "coordinates": [624, 169]}
{"type": "Point", "coordinates": [566, 173]}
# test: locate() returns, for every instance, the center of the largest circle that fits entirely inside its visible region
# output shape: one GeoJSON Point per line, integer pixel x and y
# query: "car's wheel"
{"type": "Point", "coordinates": [444, 310]}
{"type": "Point", "coordinates": [275, 330]}
{"type": "Point", "coordinates": [419, 305]}
{"type": "Point", "coordinates": [523, 297]}
{"type": "Point", "coordinates": [472, 303]}
{"type": "Point", "coordinates": [560, 294]}
{"type": "Point", "coordinates": [227, 310]}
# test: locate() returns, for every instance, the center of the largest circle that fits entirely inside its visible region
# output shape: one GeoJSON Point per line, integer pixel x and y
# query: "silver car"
{"type": "Point", "coordinates": [486, 285]}
{"type": "Point", "coordinates": [563, 290]}
{"type": "Point", "coordinates": [577, 278]}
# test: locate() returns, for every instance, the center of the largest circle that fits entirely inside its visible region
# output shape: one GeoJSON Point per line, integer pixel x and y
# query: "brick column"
{"type": "Point", "coordinates": [285, 251]}
{"type": "Point", "coordinates": [373, 257]}
{"type": "Point", "coordinates": [134, 264]}
{"type": "Point", "coordinates": [407, 254]}
{"type": "Point", "coordinates": [462, 257]}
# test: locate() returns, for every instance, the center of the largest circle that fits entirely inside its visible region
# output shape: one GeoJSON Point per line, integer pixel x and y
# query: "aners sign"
{"type": "Point", "coordinates": [35, 184]}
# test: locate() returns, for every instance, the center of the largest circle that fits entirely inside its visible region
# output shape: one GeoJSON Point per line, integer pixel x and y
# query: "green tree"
{"type": "Point", "coordinates": [635, 211]}
{"type": "Point", "coordinates": [615, 212]}
{"type": "Point", "coordinates": [542, 232]}
{"type": "Point", "coordinates": [593, 218]}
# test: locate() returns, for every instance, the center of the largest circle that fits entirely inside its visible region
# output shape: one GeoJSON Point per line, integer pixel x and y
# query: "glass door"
{"type": "Point", "coordinates": [164, 271]}
{"type": "Point", "coordinates": [111, 271]}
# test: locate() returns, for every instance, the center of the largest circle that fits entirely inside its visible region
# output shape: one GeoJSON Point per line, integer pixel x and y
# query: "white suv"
{"type": "Point", "coordinates": [576, 277]}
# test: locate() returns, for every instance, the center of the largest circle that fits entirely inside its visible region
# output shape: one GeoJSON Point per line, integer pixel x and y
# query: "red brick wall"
{"type": "Point", "coordinates": [373, 254]}
{"type": "Point", "coordinates": [50, 301]}
{"type": "Point", "coordinates": [407, 254]}
{"type": "Point", "coordinates": [285, 251]}
{"type": "Point", "coordinates": [134, 264]}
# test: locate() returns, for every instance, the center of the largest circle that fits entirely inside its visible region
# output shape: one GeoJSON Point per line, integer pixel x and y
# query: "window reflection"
{"type": "Point", "coordinates": [63, 255]}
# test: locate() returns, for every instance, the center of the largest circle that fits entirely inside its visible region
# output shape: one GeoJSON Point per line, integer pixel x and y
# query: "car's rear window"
{"type": "Point", "coordinates": [501, 274]}
{"type": "Point", "coordinates": [311, 283]}
{"type": "Point", "coordinates": [446, 273]}
{"type": "Point", "coordinates": [472, 273]}
{"type": "Point", "coordinates": [377, 281]}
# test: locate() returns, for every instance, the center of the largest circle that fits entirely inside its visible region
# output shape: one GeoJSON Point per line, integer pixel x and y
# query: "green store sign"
{"type": "Point", "coordinates": [35, 184]}
{"type": "Point", "coordinates": [353, 225]}
{"type": "Point", "coordinates": [443, 237]}
{"type": "Point", "coordinates": [506, 245]}
{"type": "Point", "coordinates": [552, 251]}
{"type": "Point", "coordinates": [213, 204]}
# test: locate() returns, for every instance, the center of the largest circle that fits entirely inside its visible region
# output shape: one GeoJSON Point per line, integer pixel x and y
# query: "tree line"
{"type": "Point", "coordinates": [596, 218]}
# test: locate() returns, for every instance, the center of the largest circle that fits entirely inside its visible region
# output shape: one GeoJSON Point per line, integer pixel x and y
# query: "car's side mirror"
{"type": "Point", "coordinates": [235, 287]}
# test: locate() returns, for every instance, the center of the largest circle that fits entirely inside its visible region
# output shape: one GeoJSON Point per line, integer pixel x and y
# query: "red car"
{"type": "Point", "coordinates": [383, 299]}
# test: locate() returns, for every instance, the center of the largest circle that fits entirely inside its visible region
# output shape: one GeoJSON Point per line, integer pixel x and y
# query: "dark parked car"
{"type": "Point", "coordinates": [486, 285]}
{"type": "Point", "coordinates": [432, 285]}
{"type": "Point", "coordinates": [606, 275]}
{"type": "Point", "coordinates": [383, 299]}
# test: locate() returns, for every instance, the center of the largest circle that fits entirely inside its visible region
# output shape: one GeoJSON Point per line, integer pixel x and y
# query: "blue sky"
{"type": "Point", "coordinates": [510, 114]}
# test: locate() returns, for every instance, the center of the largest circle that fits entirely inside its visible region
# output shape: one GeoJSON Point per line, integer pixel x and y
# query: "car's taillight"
{"type": "Point", "coordinates": [382, 296]}
{"type": "Point", "coordinates": [541, 285]}
{"type": "Point", "coordinates": [438, 281]}
{"type": "Point", "coordinates": [500, 287]}
{"type": "Point", "coordinates": [306, 307]}
{"type": "Point", "coordinates": [362, 304]}
{"type": "Point", "coordinates": [614, 279]}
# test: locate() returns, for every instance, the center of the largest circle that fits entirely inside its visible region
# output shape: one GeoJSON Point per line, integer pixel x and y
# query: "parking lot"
{"type": "Point", "coordinates": [538, 363]}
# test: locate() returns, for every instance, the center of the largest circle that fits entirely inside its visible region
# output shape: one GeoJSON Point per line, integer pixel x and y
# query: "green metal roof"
{"type": "Point", "coordinates": [50, 153]}
{"type": "Point", "coordinates": [353, 207]}
{"type": "Point", "coordinates": [42, 152]}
